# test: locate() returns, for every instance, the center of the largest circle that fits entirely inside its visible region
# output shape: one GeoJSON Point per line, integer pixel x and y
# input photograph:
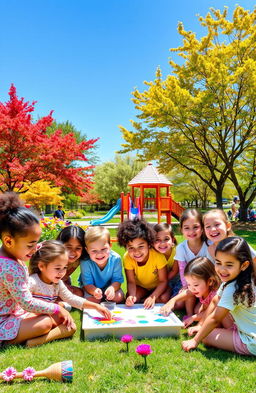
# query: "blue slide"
{"type": "Point", "coordinates": [115, 209]}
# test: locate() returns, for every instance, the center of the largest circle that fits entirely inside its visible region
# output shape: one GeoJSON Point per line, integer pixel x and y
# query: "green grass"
{"type": "Point", "coordinates": [102, 366]}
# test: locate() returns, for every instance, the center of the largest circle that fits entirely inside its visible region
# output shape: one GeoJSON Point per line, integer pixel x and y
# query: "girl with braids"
{"type": "Point", "coordinates": [22, 317]}
{"type": "Point", "coordinates": [237, 295]}
{"type": "Point", "coordinates": [145, 268]}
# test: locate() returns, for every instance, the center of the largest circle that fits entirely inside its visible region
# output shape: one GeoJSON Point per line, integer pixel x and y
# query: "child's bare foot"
{"type": "Point", "coordinates": [193, 330]}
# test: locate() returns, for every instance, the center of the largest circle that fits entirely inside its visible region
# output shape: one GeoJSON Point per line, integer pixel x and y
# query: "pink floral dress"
{"type": "Point", "coordinates": [16, 299]}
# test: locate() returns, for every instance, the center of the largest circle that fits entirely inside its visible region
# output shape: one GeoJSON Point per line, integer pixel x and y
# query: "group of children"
{"type": "Point", "coordinates": [211, 274]}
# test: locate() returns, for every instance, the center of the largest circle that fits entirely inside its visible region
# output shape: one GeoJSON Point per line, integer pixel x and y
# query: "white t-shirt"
{"type": "Point", "coordinates": [183, 252]}
{"type": "Point", "coordinates": [245, 317]}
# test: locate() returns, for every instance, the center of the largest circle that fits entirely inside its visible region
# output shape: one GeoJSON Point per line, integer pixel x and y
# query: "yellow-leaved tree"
{"type": "Point", "coordinates": [202, 117]}
{"type": "Point", "coordinates": [41, 193]}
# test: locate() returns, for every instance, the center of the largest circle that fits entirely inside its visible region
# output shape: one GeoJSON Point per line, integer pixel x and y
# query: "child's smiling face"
{"type": "Point", "coordinates": [54, 271]}
{"type": "Point", "coordinates": [163, 242]}
{"type": "Point", "coordinates": [74, 249]}
{"type": "Point", "coordinates": [198, 286]}
{"type": "Point", "coordinates": [138, 249]}
{"type": "Point", "coordinates": [192, 229]}
{"type": "Point", "coordinates": [99, 251]}
{"type": "Point", "coordinates": [215, 228]}
{"type": "Point", "coordinates": [228, 267]}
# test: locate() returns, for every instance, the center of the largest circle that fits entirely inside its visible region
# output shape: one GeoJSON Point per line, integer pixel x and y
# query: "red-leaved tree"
{"type": "Point", "coordinates": [28, 154]}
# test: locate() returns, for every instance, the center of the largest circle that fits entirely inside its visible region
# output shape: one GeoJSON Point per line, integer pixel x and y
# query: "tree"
{"type": "Point", "coordinates": [68, 128]}
{"type": "Point", "coordinates": [190, 189]}
{"type": "Point", "coordinates": [40, 193]}
{"type": "Point", "coordinates": [202, 117]}
{"type": "Point", "coordinates": [112, 177]}
{"type": "Point", "coordinates": [28, 154]}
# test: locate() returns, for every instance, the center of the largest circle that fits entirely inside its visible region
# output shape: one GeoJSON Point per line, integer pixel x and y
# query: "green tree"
{"type": "Point", "coordinates": [112, 177]}
{"type": "Point", "coordinates": [202, 116]}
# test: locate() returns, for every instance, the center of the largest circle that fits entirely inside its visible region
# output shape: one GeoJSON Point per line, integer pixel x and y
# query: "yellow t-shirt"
{"type": "Point", "coordinates": [170, 260]}
{"type": "Point", "coordinates": [146, 276]}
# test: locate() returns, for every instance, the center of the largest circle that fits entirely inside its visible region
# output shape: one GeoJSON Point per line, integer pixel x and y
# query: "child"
{"type": "Point", "coordinates": [217, 227]}
{"type": "Point", "coordinates": [165, 243]}
{"type": "Point", "coordinates": [235, 295]}
{"type": "Point", "coordinates": [20, 232]}
{"type": "Point", "coordinates": [202, 282]}
{"type": "Point", "coordinates": [191, 225]}
{"type": "Point", "coordinates": [101, 274]}
{"type": "Point", "coordinates": [145, 268]}
{"type": "Point", "coordinates": [73, 239]}
{"type": "Point", "coordinates": [47, 267]}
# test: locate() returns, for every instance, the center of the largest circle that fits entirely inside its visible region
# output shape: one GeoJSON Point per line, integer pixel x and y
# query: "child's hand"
{"type": "Point", "coordinates": [188, 321]}
{"type": "Point", "coordinates": [104, 311]}
{"type": "Point", "coordinates": [189, 344]}
{"type": "Point", "coordinates": [166, 309]}
{"type": "Point", "coordinates": [193, 330]}
{"type": "Point", "coordinates": [110, 293]}
{"type": "Point", "coordinates": [130, 301]}
{"type": "Point", "coordinates": [67, 319]}
{"type": "Point", "coordinates": [149, 302]}
{"type": "Point", "coordinates": [97, 293]}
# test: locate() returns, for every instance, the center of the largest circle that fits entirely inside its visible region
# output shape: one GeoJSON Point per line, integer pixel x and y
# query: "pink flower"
{"type": "Point", "coordinates": [144, 349]}
{"type": "Point", "coordinates": [9, 325]}
{"type": "Point", "coordinates": [8, 303]}
{"type": "Point", "coordinates": [126, 338]}
{"type": "Point", "coordinates": [28, 373]}
{"type": "Point", "coordinates": [9, 373]}
{"type": "Point", "coordinates": [9, 277]}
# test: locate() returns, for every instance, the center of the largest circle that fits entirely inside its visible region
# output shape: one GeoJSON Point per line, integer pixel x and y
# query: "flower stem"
{"type": "Point", "coordinates": [145, 360]}
{"type": "Point", "coordinates": [127, 347]}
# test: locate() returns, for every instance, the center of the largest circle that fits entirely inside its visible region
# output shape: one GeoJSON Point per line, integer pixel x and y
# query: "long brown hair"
{"type": "Point", "coordinates": [203, 268]}
{"type": "Point", "coordinates": [46, 253]}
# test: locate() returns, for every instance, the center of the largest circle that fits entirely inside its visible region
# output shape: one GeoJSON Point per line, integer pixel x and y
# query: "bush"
{"type": "Point", "coordinates": [73, 214]}
{"type": "Point", "coordinates": [51, 228]}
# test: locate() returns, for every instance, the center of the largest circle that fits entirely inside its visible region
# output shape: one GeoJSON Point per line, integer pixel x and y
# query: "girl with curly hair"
{"type": "Point", "coordinates": [234, 266]}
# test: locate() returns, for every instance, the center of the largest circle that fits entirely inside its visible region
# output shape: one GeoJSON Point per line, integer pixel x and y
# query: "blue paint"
{"type": "Point", "coordinates": [161, 320]}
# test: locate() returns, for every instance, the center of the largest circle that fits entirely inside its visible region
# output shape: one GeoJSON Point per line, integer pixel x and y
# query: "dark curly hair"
{"type": "Point", "coordinates": [135, 229]}
{"type": "Point", "coordinates": [238, 247]}
{"type": "Point", "coordinates": [15, 219]}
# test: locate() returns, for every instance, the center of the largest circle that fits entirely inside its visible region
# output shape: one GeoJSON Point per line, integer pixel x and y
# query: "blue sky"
{"type": "Point", "coordinates": [83, 58]}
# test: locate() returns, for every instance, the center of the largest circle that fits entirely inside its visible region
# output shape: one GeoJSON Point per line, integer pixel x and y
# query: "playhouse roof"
{"type": "Point", "coordinates": [150, 176]}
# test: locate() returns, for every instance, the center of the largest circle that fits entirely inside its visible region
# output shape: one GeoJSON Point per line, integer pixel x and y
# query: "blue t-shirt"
{"type": "Point", "coordinates": [91, 274]}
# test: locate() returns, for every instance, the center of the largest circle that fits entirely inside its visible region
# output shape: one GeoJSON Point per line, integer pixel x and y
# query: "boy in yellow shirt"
{"type": "Point", "coordinates": [145, 268]}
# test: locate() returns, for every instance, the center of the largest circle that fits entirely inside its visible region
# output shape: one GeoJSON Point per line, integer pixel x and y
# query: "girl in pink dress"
{"type": "Point", "coordinates": [22, 317]}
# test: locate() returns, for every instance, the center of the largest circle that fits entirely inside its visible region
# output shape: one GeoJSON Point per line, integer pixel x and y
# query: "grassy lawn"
{"type": "Point", "coordinates": [102, 365]}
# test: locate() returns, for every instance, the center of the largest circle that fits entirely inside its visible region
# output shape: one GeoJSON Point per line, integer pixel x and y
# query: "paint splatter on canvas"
{"type": "Point", "coordinates": [133, 320]}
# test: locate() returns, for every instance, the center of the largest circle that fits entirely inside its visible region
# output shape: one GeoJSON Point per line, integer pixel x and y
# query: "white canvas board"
{"type": "Point", "coordinates": [131, 320]}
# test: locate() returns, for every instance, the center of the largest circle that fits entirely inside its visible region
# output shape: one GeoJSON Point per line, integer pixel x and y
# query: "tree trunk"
{"type": "Point", "coordinates": [243, 211]}
{"type": "Point", "coordinates": [218, 194]}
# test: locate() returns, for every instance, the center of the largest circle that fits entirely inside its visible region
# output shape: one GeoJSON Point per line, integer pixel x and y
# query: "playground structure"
{"type": "Point", "coordinates": [132, 205]}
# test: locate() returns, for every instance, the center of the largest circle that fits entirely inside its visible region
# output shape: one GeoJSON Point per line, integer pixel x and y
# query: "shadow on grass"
{"type": "Point", "coordinates": [223, 356]}
{"type": "Point", "coordinates": [141, 367]}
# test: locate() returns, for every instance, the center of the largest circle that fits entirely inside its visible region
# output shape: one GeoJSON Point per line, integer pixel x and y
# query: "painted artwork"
{"type": "Point", "coordinates": [131, 320]}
